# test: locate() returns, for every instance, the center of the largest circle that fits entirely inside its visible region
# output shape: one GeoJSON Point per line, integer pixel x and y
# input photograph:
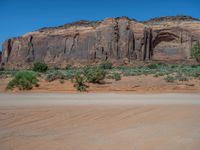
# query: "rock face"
{"type": "Point", "coordinates": [0, 56]}
{"type": "Point", "coordinates": [120, 40]}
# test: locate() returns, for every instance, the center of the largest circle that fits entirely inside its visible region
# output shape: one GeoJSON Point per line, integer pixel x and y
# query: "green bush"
{"type": "Point", "coordinates": [40, 67]}
{"type": "Point", "coordinates": [94, 74]}
{"type": "Point", "coordinates": [106, 65]}
{"type": "Point", "coordinates": [24, 80]}
{"type": "Point", "coordinates": [195, 51]}
{"type": "Point", "coordinates": [79, 80]}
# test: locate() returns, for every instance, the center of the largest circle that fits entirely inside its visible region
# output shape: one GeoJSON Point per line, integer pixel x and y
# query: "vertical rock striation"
{"type": "Point", "coordinates": [120, 40]}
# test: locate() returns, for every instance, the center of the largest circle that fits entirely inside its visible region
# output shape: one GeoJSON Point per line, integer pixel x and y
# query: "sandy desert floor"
{"type": "Point", "coordinates": [137, 84]}
{"type": "Point", "coordinates": [99, 122]}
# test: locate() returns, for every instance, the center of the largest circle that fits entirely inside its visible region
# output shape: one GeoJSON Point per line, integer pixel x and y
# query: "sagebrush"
{"type": "Point", "coordinates": [95, 74]}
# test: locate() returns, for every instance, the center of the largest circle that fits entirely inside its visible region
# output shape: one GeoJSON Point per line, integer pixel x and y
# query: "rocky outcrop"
{"type": "Point", "coordinates": [120, 40]}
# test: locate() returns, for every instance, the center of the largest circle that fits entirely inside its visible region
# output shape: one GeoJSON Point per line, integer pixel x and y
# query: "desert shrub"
{"type": "Point", "coordinates": [195, 51]}
{"type": "Point", "coordinates": [136, 71]}
{"type": "Point", "coordinates": [69, 74]}
{"type": "Point", "coordinates": [40, 67]}
{"type": "Point", "coordinates": [106, 65]}
{"type": "Point", "coordinates": [115, 76]}
{"type": "Point", "coordinates": [187, 71]}
{"type": "Point", "coordinates": [54, 76]}
{"type": "Point", "coordinates": [156, 65]}
{"type": "Point", "coordinates": [131, 72]}
{"type": "Point", "coordinates": [24, 80]}
{"type": "Point", "coordinates": [94, 74]}
{"type": "Point", "coordinates": [79, 80]}
{"type": "Point", "coordinates": [170, 78]}
{"type": "Point", "coordinates": [190, 71]}
{"type": "Point", "coordinates": [152, 66]}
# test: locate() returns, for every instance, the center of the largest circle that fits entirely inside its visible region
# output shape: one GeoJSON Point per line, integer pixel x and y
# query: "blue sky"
{"type": "Point", "coordinates": [21, 16]}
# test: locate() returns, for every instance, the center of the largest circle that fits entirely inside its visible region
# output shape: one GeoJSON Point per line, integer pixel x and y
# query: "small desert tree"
{"type": "Point", "coordinates": [195, 51]}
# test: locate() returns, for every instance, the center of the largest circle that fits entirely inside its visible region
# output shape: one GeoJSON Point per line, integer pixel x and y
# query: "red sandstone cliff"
{"type": "Point", "coordinates": [115, 39]}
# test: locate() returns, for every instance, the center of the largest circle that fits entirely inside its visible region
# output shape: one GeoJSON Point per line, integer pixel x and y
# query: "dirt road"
{"type": "Point", "coordinates": [99, 122]}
